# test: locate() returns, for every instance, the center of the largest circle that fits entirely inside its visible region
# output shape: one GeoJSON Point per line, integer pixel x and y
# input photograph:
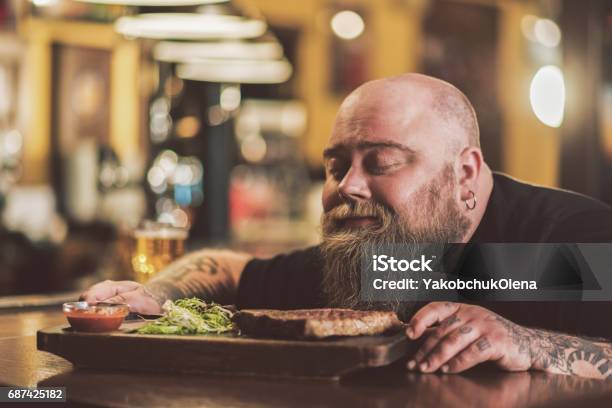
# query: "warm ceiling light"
{"type": "Point", "coordinates": [236, 71]}
{"type": "Point", "coordinates": [174, 51]}
{"type": "Point", "coordinates": [541, 30]}
{"type": "Point", "coordinates": [189, 26]}
{"type": "Point", "coordinates": [44, 3]}
{"type": "Point", "coordinates": [547, 32]}
{"type": "Point", "coordinates": [528, 23]}
{"type": "Point", "coordinates": [347, 24]}
{"type": "Point", "coordinates": [547, 95]}
{"type": "Point", "coordinates": [154, 3]}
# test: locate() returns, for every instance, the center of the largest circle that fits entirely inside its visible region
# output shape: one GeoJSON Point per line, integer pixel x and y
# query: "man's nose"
{"type": "Point", "coordinates": [354, 186]}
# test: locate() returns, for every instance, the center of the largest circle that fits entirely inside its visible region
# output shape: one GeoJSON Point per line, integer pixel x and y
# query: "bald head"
{"type": "Point", "coordinates": [410, 145]}
{"type": "Point", "coordinates": [406, 99]}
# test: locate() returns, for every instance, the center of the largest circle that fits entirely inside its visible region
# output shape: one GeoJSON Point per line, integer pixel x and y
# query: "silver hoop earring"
{"type": "Point", "coordinates": [473, 197]}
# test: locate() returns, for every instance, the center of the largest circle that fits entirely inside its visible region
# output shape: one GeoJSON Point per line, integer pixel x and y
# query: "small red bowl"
{"type": "Point", "coordinates": [95, 317]}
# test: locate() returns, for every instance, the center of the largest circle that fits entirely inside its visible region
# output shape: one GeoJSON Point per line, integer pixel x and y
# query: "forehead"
{"type": "Point", "coordinates": [362, 122]}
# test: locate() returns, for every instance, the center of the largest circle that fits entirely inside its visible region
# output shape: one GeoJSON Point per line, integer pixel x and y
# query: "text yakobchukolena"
{"type": "Point", "coordinates": [505, 272]}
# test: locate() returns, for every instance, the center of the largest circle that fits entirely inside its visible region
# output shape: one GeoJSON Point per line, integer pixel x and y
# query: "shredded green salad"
{"type": "Point", "coordinates": [190, 316]}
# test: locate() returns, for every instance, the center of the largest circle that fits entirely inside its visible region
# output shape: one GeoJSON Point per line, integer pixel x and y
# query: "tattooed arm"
{"type": "Point", "coordinates": [468, 335]}
{"type": "Point", "coordinates": [560, 353]}
{"type": "Point", "coordinates": [210, 274]}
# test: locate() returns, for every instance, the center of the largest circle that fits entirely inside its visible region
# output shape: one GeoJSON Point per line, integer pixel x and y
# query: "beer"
{"type": "Point", "coordinates": [155, 247]}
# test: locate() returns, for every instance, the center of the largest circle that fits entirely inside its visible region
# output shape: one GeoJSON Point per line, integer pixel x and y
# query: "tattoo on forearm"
{"type": "Point", "coordinates": [483, 344]}
{"type": "Point", "coordinates": [562, 353]}
{"type": "Point", "coordinates": [197, 274]}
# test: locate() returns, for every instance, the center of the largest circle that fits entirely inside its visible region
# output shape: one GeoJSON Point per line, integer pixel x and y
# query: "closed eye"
{"type": "Point", "coordinates": [382, 169]}
{"type": "Point", "coordinates": [384, 161]}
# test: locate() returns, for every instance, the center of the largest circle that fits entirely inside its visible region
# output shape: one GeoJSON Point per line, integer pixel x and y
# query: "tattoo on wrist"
{"type": "Point", "coordinates": [561, 353]}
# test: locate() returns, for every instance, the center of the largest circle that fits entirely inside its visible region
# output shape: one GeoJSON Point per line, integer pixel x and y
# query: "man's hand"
{"type": "Point", "coordinates": [465, 336]}
{"type": "Point", "coordinates": [137, 296]}
{"type": "Point", "coordinates": [212, 274]}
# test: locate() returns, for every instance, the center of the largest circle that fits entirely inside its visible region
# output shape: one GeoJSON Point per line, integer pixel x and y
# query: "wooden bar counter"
{"type": "Point", "coordinates": [21, 364]}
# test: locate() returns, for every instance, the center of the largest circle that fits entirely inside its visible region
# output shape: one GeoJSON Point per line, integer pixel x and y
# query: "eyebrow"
{"type": "Point", "coordinates": [335, 150]}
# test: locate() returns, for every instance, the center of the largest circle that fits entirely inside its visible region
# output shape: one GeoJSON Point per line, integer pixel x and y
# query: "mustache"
{"type": "Point", "coordinates": [333, 219]}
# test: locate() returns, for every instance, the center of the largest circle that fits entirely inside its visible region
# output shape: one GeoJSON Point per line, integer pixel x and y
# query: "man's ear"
{"type": "Point", "coordinates": [470, 164]}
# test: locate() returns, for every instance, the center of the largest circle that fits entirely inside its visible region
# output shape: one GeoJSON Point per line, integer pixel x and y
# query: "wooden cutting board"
{"type": "Point", "coordinates": [221, 353]}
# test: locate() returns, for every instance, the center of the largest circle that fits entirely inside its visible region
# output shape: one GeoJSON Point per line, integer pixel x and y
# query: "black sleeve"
{"type": "Point", "coordinates": [287, 281]}
{"type": "Point", "coordinates": [584, 227]}
{"type": "Point", "coordinates": [581, 318]}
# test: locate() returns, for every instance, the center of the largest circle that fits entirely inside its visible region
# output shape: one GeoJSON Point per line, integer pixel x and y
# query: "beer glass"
{"type": "Point", "coordinates": [156, 245]}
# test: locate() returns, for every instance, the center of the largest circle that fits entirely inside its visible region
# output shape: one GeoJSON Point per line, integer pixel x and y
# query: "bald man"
{"type": "Point", "coordinates": [404, 164]}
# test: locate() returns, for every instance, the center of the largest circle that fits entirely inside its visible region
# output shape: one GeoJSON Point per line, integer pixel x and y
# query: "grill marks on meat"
{"type": "Point", "coordinates": [315, 323]}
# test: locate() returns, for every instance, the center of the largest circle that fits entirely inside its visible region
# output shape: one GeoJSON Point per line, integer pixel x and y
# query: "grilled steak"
{"type": "Point", "coordinates": [315, 323]}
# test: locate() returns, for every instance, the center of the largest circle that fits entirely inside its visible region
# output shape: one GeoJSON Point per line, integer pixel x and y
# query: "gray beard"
{"type": "Point", "coordinates": [343, 263]}
{"type": "Point", "coordinates": [343, 249]}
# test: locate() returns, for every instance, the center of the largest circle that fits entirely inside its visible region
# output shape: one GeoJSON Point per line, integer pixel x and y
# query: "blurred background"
{"type": "Point", "coordinates": [212, 115]}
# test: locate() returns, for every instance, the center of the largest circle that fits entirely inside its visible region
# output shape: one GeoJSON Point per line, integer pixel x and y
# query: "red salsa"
{"type": "Point", "coordinates": [96, 321]}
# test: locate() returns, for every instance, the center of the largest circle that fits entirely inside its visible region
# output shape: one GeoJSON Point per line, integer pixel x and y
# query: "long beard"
{"type": "Point", "coordinates": [343, 248]}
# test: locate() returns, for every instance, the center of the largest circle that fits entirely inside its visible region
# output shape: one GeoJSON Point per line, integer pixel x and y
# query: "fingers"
{"type": "Point", "coordinates": [448, 347]}
{"type": "Point", "coordinates": [478, 352]}
{"type": "Point", "coordinates": [138, 300]}
{"type": "Point", "coordinates": [466, 336]}
{"type": "Point", "coordinates": [429, 315]}
{"type": "Point", "coordinates": [448, 325]}
{"type": "Point", "coordinates": [121, 298]}
{"type": "Point", "coordinates": [103, 291]}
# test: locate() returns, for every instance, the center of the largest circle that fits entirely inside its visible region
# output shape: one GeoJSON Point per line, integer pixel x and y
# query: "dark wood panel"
{"type": "Point", "coordinates": [581, 150]}
{"type": "Point", "coordinates": [460, 46]}
{"type": "Point", "coordinates": [80, 109]}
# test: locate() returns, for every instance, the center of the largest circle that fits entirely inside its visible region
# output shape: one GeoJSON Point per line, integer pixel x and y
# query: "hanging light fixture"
{"type": "Point", "coordinates": [214, 44]}
{"type": "Point", "coordinates": [153, 3]}
{"type": "Point", "coordinates": [189, 26]}
{"type": "Point", "coordinates": [247, 60]}
{"type": "Point", "coordinates": [175, 51]}
{"type": "Point", "coordinates": [236, 71]}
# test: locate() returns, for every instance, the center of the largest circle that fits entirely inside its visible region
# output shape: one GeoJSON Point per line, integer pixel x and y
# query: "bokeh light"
{"type": "Point", "coordinates": [347, 24]}
{"type": "Point", "coordinates": [547, 32]}
{"type": "Point", "coordinates": [528, 23]}
{"type": "Point", "coordinates": [254, 148]}
{"type": "Point", "coordinates": [230, 98]}
{"type": "Point", "coordinates": [547, 95]}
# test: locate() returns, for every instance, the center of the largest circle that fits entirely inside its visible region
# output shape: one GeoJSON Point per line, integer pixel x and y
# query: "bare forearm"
{"type": "Point", "coordinates": [210, 274]}
{"type": "Point", "coordinates": [563, 354]}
